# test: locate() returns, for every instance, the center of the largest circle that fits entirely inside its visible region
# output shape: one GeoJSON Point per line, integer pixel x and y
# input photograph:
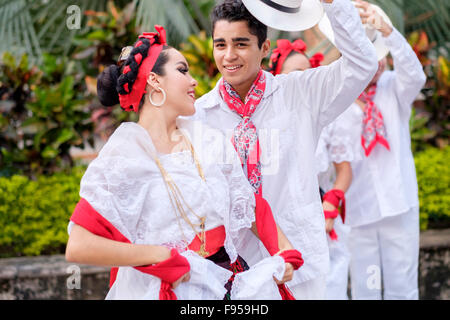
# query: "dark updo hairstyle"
{"type": "Point", "coordinates": [235, 10]}
{"type": "Point", "coordinates": [111, 81]}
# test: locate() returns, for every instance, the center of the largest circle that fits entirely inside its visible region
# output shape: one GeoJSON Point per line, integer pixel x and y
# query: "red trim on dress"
{"type": "Point", "coordinates": [168, 270]}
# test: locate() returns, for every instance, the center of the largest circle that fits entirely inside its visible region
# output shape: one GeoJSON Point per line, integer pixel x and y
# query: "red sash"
{"type": "Point", "coordinates": [168, 270]}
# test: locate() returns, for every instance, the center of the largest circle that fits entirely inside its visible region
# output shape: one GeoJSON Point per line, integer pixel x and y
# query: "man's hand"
{"type": "Point", "coordinates": [371, 17]}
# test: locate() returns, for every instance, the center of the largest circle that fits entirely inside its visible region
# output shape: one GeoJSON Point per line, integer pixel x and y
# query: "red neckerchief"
{"type": "Point", "coordinates": [373, 126]}
{"type": "Point", "coordinates": [285, 47]}
{"type": "Point", "coordinates": [245, 136]}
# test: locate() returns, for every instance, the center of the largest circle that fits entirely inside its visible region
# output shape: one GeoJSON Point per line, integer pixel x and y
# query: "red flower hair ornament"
{"type": "Point", "coordinates": [285, 47]}
{"type": "Point", "coordinates": [131, 100]}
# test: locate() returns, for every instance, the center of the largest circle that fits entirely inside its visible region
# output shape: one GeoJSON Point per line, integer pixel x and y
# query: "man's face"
{"type": "Point", "coordinates": [237, 54]}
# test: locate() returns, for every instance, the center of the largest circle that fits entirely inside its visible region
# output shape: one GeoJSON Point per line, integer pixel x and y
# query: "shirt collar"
{"type": "Point", "coordinates": [213, 99]}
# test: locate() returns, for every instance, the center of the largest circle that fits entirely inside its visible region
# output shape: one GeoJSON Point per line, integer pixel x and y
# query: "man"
{"type": "Point", "coordinates": [275, 122]}
{"type": "Point", "coordinates": [382, 202]}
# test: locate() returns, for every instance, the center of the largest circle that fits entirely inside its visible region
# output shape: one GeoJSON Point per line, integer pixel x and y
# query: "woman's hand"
{"type": "Point", "coordinates": [329, 225]}
{"type": "Point", "coordinates": [184, 278]}
{"type": "Point", "coordinates": [288, 271]}
{"type": "Point", "coordinates": [329, 222]}
{"type": "Point", "coordinates": [288, 274]}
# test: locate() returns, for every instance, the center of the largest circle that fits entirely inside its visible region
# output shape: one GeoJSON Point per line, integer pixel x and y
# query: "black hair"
{"type": "Point", "coordinates": [235, 10]}
{"type": "Point", "coordinates": [111, 81]}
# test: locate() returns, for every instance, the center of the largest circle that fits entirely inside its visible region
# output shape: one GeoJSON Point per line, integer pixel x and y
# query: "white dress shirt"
{"type": "Point", "coordinates": [294, 109]}
{"type": "Point", "coordinates": [384, 183]}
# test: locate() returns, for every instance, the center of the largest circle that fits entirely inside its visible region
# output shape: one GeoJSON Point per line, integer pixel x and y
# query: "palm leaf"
{"type": "Point", "coordinates": [172, 14]}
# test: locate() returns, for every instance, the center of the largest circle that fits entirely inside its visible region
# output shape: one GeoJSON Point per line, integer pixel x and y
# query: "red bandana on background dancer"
{"type": "Point", "coordinates": [374, 130]}
{"type": "Point", "coordinates": [131, 100]}
{"type": "Point", "coordinates": [245, 136]}
{"type": "Point", "coordinates": [285, 47]}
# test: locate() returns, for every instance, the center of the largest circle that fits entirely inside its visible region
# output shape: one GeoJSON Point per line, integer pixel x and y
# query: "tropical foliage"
{"type": "Point", "coordinates": [43, 114]}
{"type": "Point", "coordinates": [430, 122]}
{"type": "Point", "coordinates": [41, 26]}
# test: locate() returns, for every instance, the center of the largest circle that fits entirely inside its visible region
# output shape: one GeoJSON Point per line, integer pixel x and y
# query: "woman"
{"type": "Point", "coordinates": [333, 154]}
{"type": "Point", "coordinates": [160, 198]}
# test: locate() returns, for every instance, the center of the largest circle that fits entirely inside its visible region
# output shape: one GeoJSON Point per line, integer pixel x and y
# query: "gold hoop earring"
{"type": "Point", "coordinates": [159, 104]}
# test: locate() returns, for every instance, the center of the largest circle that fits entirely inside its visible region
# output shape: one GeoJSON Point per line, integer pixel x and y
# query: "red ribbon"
{"type": "Point", "coordinates": [131, 100]}
{"type": "Point", "coordinates": [267, 231]}
{"type": "Point", "coordinates": [337, 198]}
{"type": "Point", "coordinates": [285, 47]}
{"type": "Point", "coordinates": [168, 270]}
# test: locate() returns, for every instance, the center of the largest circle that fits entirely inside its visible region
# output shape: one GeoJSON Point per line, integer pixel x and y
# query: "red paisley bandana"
{"type": "Point", "coordinates": [374, 130]}
{"type": "Point", "coordinates": [245, 137]}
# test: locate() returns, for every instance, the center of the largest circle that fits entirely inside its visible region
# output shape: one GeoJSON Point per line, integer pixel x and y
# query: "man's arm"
{"type": "Point", "coordinates": [409, 75]}
{"type": "Point", "coordinates": [329, 90]}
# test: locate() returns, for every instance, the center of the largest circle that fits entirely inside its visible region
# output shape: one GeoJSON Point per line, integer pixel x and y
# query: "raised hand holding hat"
{"type": "Point", "coordinates": [376, 24]}
{"type": "Point", "coordinates": [373, 18]}
{"type": "Point", "coordinates": [287, 15]}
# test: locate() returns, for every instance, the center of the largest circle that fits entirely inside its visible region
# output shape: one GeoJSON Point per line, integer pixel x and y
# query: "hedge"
{"type": "Point", "coordinates": [433, 176]}
{"type": "Point", "coordinates": [34, 214]}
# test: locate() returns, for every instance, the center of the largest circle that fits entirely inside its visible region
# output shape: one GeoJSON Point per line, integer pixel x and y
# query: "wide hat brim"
{"type": "Point", "coordinates": [380, 47]}
{"type": "Point", "coordinates": [307, 17]}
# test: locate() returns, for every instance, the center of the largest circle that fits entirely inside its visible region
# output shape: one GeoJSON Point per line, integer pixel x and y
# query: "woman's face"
{"type": "Point", "coordinates": [295, 62]}
{"type": "Point", "coordinates": [178, 84]}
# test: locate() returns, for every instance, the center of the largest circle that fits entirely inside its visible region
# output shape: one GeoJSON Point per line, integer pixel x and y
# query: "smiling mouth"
{"type": "Point", "coordinates": [191, 94]}
{"type": "Point", "coordinates": [233, 68]}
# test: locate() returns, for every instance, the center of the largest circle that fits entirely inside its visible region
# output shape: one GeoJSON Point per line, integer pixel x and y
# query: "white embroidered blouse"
{"type": "Point", "coordinates": [126, 187]}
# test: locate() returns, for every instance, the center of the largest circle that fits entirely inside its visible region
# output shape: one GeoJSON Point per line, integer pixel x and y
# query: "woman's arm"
{"type": "Point", "coordinates": [343, 181]}
{"type": "Point", "coordinates": [283, 242]}
{"type": "Point", "coordinates": [84, 247]}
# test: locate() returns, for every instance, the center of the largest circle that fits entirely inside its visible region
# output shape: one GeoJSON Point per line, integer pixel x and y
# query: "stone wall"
{"type": "Point", "coordinates": [51, 277]}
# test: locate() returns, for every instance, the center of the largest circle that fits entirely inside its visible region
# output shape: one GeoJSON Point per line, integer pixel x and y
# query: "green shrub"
{"type": "Point", "coordinates": [34, 214]}
{"type": "Point", "coordinates": [433, 176]}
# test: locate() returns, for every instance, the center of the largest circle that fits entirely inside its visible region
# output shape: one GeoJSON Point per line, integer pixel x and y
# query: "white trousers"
{"type": "Point", "coordinates": [310, 290]}
{"type": "Point", "coordinates": [337, 278]}
{"type": "Point", "coordinates": [385, 255]}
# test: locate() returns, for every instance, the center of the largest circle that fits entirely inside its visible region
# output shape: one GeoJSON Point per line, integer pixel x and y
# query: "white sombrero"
{"type": "Point", "coordinates": [287, 15]}
{"type": "Point", "coordinates": [375, 36]}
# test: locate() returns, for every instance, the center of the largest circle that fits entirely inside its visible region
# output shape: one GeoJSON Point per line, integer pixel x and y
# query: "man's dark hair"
{"type": "Point", "coordinates": [234, 10]}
